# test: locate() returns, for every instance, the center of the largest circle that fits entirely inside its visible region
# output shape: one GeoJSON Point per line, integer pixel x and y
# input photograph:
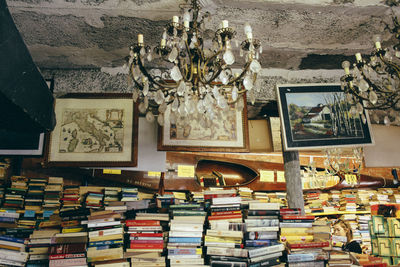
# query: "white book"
{"type": "Point", "coordinates": [226, 200]}
{"type": "Point", "coordinates": [263, 229]}
{"type": "Point", "coordinates": [13, 255]}
{"type": "Point", "coordinates": [118, 264]}
{"type": "Point", "coordinates": [112, 231]}
{"type": "Point", "coordinates": [102, 224]}
{"type": "Point", "coordinates": [192, 256]}
{"type": "Point", "coordinates": [219, 244]}
{"type": "Point", "coordinates": [186, 227]}
{"type": "Point", "coordinates": [266, 257]}
{"type": "Point", "coordinates": [235, 252]}
{"type": "Point", "coordinates": [264, 206]}
{"type": "Point", "coordinates": [257, 252]}
{"type": "Point", "coordinates": [185, 233]}
{"type": "Point", "coordinates": [11, 263]}
{"type": "Point", "coordinates": [12, 244]}
{"type": "Point", "coordinates": [9, 214]}
{"type": "Point", "coordinates": [187, 261]}
{"type": "Point", "coordinates": [238, 234]}
{"type": "Point", "coordinates": [295, 225]}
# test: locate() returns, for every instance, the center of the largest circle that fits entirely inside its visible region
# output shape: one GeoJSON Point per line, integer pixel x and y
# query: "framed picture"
{"type": "Point", "coordinates": [229, 133]}
{"type": "Point", "coordinates": [94, 130]}
{"type": "Point", "coordinates": [319, 116]}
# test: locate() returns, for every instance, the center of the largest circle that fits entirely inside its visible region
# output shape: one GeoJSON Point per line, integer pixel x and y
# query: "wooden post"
{"type": "Point", "coordinates": [294, 188]}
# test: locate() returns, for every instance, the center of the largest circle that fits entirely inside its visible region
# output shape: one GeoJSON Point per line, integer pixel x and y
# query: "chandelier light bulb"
{"type": "Point", "coordinates": [140, 38]}
{"type": "Point", "coordinates": [377, 40]}
{"type": "Point", "coordinates": [175, 19]}
{"type": "Point", "coordinates": [247, 29]}
{"type": "Point", "coordinates": [186, 16]}
{"type": "Point", "coordinates": [346, 67]}
{"type": "Point", "coordinates": [225, 24]}
{"type": "Point", "coordinates": [358, 57]}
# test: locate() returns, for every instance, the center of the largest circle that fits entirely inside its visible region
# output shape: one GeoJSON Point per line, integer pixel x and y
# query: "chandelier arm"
{"type": "Point", "coordinates": [144, 71]}
{"type": "Point", "coordinates": [244, 71]}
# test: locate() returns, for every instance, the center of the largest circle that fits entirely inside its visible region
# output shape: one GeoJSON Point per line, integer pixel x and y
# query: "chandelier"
{"type": "Point", "coordinates": [196, 79]}
{"type": "Point", "coordinates": [373, 81]}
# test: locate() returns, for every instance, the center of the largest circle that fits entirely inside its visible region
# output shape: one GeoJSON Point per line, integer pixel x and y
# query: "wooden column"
{"type": "Point", "coordinates": [294, 189]}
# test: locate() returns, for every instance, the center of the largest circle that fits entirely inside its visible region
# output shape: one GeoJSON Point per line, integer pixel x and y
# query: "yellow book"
{"type": "Point", "coordinates": [286, 231]}
{"type": "Point", "coordinates": [107, 237]}
{"type": "Point", "coordinates": [208, 238]}
{"type": "Point", "coordinates": [72, 230]}
{"type": "Point", "coordinates": [294, 238]}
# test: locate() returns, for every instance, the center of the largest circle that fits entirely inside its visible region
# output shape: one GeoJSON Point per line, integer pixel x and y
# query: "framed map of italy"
{"type": "Point", "coordinates": [94, 130]}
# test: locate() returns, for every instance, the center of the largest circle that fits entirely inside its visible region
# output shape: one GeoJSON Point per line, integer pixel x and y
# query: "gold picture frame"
{"type": "Point", "coordinates": [94, 130]}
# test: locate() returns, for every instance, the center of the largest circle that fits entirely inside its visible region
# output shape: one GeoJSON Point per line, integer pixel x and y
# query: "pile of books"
{"type": "Point", "coordinates": [146, 239]}
{"type": "Point", "coordinates": [129, 194]}
{"type": "Point", "coordinates": [71, 198]}
{"type": "Point", "coordinates": [94, 200]}
{"type": "Point", "coordinates": [364, 232]}
{"type": "Point", "coordinates": [111, 194]}
{"type": "Point", "coordinates": [262, 227]}
{"type": "Point", "coordinates": [34, 196]}
{"type": "Point", "coordinates": [67, 254]}
{"type": "Point", "coordinates": [38, 246]}
{"type": "Point", "coordinates": [185, 236]}
{"type": "Point", "coordinates": [106, 236]}
{"type": "Point", "coordinates": [15, 194]}
{"type": "Point", "coordinates": [307, 254]}
{"type": "Point", "coordinates": [8, 219]}
{"type": "Point", "coordinates": [296, 228]}
{"type": "Point", "coordinates": [53, 193]}
{"type": "Point", "coordinates": [12, 251]}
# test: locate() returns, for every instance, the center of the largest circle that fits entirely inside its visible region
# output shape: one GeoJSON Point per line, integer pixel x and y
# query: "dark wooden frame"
{"type": "Point", "coordinates": [290, 143]}
{"type": "Point", "coordinates": [135, 123]}
{"type": "Point", "coordinates": [244, 148]}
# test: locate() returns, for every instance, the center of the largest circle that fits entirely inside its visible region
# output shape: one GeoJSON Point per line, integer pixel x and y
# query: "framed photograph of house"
{"type": "Point", "coordinates": [228, 132]}
{"type": "Point", "coordinates": [319, 116]}
{"type": "Point", "coordinates": [94, 130]}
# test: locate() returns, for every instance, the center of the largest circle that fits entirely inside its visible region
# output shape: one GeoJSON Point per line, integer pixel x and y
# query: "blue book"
{"type": "Point", "coordinates": [11, 239]}
{"type": "Point", "coordinates": [185, 240]}
{"type": "Point", "coordinates": [105, 243]}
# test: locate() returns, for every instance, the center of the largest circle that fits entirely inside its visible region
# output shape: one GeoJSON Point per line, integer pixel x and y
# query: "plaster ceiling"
{"type": "Point", "coordinates": [296, 34]}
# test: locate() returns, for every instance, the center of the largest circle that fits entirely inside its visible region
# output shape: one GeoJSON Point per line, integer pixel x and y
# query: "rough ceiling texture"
{"type": "Point", "coordinates": [296, 34]}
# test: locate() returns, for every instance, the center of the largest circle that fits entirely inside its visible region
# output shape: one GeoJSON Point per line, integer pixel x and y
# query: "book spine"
{"type": "Point", "coordinates": [66, 256]}
{"type": "Point", "coordinates": [142, 223]}
{"type": "Point", "coordinates": [11, 263]}
{"type": "Point", "coordinates": [146, 235]}
{"type": "Point", "coordinates": [106, 232]}
{"type": "Point", "coordinates": [266, 257]}
{"type": "Point", "coordinates": [235, 252]}
{"type": "Point", "coordinates": [296, 225]}
{"type": "Point", "coordinates": [298, 217]}
{"type": "Point", "coordinates": [183, 251]}
{"type": "Point", "coordinates": [270, 262]}
{"type": "Point", "coordinates": [67, 262]}
{"type": "Point", "coordinates": [262, 212]}
{"type": "Point", "coordinates": [263, 229]}
{"type": "Point", "coordinates": [11, 239]}
{"type": "Point", "coordinates": [216, 263]}
{"type": "Point", "coordinates": [261, 243]}
{"type": "Point", "coordinates": [223, 217]}
{"type": "Point", "coordinates": [147, 246]}
{"type": "Point", "coordinates": [262, 222]}
{"type": "Point", "coordinates": [226, 200]}
{"type": "Point", "coordinates": [13, 255]}
{"type": "Point", "coordinates": [299, 257]}
{"type": "Point", "coordinates": [105, 243]}
{"type": "Point", "coordinates": [147, 241]}
{"type": "Point", "coordinates": [262, 235]}
{"type": "Point", "coordinates": [148, 238]}
{"type": "Point", "coordinates": [228, 212]}
{"type": "Point", "coordinates": [309, 245]}
{"type": "Point", "coordinates": [184, 239]}
{"type": "Point", "coordinates": [266, 250]}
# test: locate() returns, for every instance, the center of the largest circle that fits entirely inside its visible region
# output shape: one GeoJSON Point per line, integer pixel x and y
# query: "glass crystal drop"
{"type": "Point", "coordinates": [255, 66]}
{"type": "Point", "coordinates": [373, 98]}
{"type": "Point", "coordinates": [375, 118]}
{"type": "Point", "coordinates": [363, 85]}
{"type": "Point", "coordinates": [221, 102]}
{"type": "Point", "coordinates": [364, 119]}
{"type": "Point", "coordinates": [159, 98]}
{"type": "Point", "coordinates": [234, 93]}
{"type": "Point", "coordinates": [173, 55]}
{"type": "Point", "coordinates": [142, 52]}
{"type": "Point", "coordinates": [135, 95]}
{"type": "Point", "coordinates": [181, 88]}
{"type": "Point", "coordinates": [162, 108]}
{"type": "Point", "coordinates": [229, 58]}
{"type": "Point", "coordinates": [241, 52]}
{"type": "Point", "coordinates": [176, 74]}
{"type": "Point", "coordinates": [136, 73]}
{"type": "Point", "coordinates": [386, 121]}
{"type": "Point", "coordinates": [359, 108]}
{"type": "Point", "coordinates": [353, 110]}
{"type": "Point", "coordinates": [248, 82]}
{"type": "Point", "coordinates": [142, 108]}
{"type": "Point", "coordinates": [160, 119]}
{"type": "Point", "coordinates": [240, 104]}
{"type": "Point", "coordinates": [149, 116]}
{"type": "Point", "coordinates": [182, 110]}
{"type": "Point", "coordinates": [146, 102]}
{"type": "Point", "coordinates": [260, 50]}
{"type": "Point", "coordinates": [200, 106]}
{"type": "Point", "coordinates": [150, 57]}
{"type": "Point", "coordinates": [172, 118]}
{"type": "Point", "coordinates": [190, 106]}
{"type": "Point", "coordinates": [252, 97]}
{"type": "Point", "coordinates": [145, 88]}
{"type": "Point", "coordinates": [215, 91]}
{"type": "Point", "coordinates": [175, 105]}
{"type": "Point", "coordinates": [223, 76]}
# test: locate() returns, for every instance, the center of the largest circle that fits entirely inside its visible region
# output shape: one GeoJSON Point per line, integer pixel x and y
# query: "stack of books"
{"type": "Point", "coordinates": [146, 239]}
{"type": "Point", "coordinates": [73, 254]}
{"type": "Point", "coordinates": [34, 196]}
{"type": "Point", "coordinates": [246, 194]}
{"type": "Point", "coordinates": [111, 194]}
{"type": "Point", "coordinates": [8, 220]}
{"type": "Point", "coordinates": [348, 201]}
{"type": "Point", "coordinates": [163, 201]}
{"type": "Point", "coordinates": [53, 193]}
{"type": "Point", "coordinates": [15, 194]}
{"type": "Point", "coordinates": [94, 200]}
{"type": "Point", "coordinates": [197, 197]}
{"type": "Point", "coordinates": [340, 259]}
{"type": "Point", "coordinates": [27, 220]}
{"type": "Point", "coordinates": [262, 230]}
{"type": "Point", "coordinates": [296, 228]}
{"type": "Point", "coordinates": [71, 199]}
{"type": "Point", "coordinates": [38, 246]}
{"type": "Point", "coordinates": [106, 236]}
{"type": "Point", "coordinates": [12, 251]}
{"type": "Point", "coordinates": [265, 256]}
{"type": "Point", "coordinates": [364, 232]}
{"type": "Point", "coordinates": [224, 238]}
{"type": "Point", "coordinates": [185, 236]}
{"type": "Point", "coordinates": [129, 194]}
{"type": "Point", "coordinates": [307, 254]}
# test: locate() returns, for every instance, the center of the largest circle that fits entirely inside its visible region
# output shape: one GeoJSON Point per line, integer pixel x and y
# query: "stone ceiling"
{"type": "Point", "coordinates": [296, 34]}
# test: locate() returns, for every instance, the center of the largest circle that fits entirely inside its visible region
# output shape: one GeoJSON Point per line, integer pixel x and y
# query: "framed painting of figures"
{"type": "Point", "coordinates": [320, 116]}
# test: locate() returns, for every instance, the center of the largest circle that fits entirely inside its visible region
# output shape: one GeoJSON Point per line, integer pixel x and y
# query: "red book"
{"type": "Point", "coordinates": [226, 212]}
{"type": "Point", "coordinates": [146, 246]}
{"type": "Point", "coordinates": [66, 256]}
{"type": "Point", "coordinates": [68, 248]}
{"type": "Point", "coordinates": [298, 217]}
{"type": "Point", "coordinates": [142, 223]}
{"type": "Point", "coordinates": [211, 196]}
{"type": "Point", "coordinates": [223, 217]}
{"type": "Point", "coordinates": [147, 241]}
{"type": "Point", "coordinates": [309, 245]}
{"type": "Point", "coordinates": [146, 234]}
